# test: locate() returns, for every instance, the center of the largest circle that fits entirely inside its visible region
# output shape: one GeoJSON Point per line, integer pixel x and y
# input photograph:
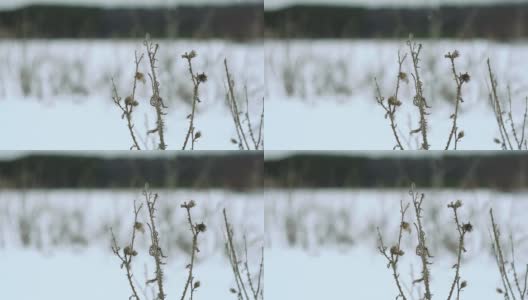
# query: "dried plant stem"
{"type": "Point", "coordinates": [155, 248]}
{"type": "Point", "coordinates": [156, 101]}
{"type": "Point", "coordinates": [234, 259]}
{"type": "Point", "coordinates": [393, 256]}
{"type": "Point", "coordinates": [196, 80]}
{"type": "Point", "coordinates": [235, 112]}
{"type": "Point", "coordinates": [128, 253]}
{"type": "Point", "coordinates": [498, 110]}
{"type": "Point", "coordinates": [496, 246]}
{"type": "Point", "coordinates": [393, 102]}
{"type": "Point", "coordinates": [196, 229]}
{"type": "Point", "coordinates": [522, 291]}
{"type": "Point", "coordinates": [256, 140]}
{"type": "Point", "coordinates": [130, 102]}
{"type": "Point", "coordinates": [419, 99]}
{"type": "Point", "coordinates": [462, 229]}
{"type": "Point", "coordinates": [243, 292]}
{"type": "Point", "coordinates": [523, 140]}
{"type": "Point", "coordinates": [421, 249]}
{"type": "Point", "coordinates": [518, 140]}
{"type": "Point", "coordinates": [459, 80]}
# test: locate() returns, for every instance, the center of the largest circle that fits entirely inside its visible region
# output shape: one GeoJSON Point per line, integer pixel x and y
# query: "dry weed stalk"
{"type": "Point", "coordinates": [510, 291]}
{"type": "Point", "coordinates": [130, 102]}
{"type": "Point", "coordinates": [421, 250]}
{"type": "Point", "coordinates": [460, 79]}
{"type": "Point", "coordinates": [505, 140]}
{"type": "Point", "coordinates": [128, 252]}
{"type": "Point", "coordinates": [246, 289]}
{"type": "Point", "coordinates": [395, 251]}
{"type": "Point", "coordinates": [196, 229]}
{"type": "Point", "coordinates": [256, 139]}
{"type": "Point", "coordinates": [393, 254]}
{"type": "Point", "coordinates": [393, 102]}
{"type": "Point", "coordinates": [155, 100]}
{"type": "Point", "coordinates": [391, 105]}
{"type": "Point", "coordinates": [419, 99]}
{"type": "Point", "coordinates": [196, 80]}
{"type": "Point", "coordinates": [155, 250]}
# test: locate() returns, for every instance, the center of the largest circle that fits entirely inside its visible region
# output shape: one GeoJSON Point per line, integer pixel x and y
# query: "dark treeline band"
{"type": "Point", "coordinates": [237, 22]}
{"type": "Point", "coordinates": [504, 21]}
{"type": "Point", "coordinates": [475, 170]}
{"type": "Point", "coordinates": [207, 170]}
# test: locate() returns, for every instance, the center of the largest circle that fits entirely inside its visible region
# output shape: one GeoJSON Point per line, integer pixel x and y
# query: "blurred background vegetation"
{"type": "Point", "coordinates": [238, 21]}
{"type": "Point", "coordinates": [229, 170]}
{"type": "Point", "coordinates": [499, 20]}
{"type": "Point", "coordinates": [473, 169]}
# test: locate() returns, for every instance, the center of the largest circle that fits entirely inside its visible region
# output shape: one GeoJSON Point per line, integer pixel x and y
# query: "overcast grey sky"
{"type": "Point", "coordinates": [110, 3]}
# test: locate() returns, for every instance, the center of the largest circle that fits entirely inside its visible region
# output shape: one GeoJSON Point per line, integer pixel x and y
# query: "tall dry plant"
{"type": "Point", "coordinates": [249, 138]}
{"type": "Point", "coordinates": [394, 254]}
{"type": "Point", "coordinates": [197, 79]}
{"type": "Point", "coordinates": [129, 252]}
{"type": "Point", "coordinates": [514, 287]}
{"type": "Point", "coordinates": [250, 286]}
{"type": "Point", "coordinates": [391, 104]}
{"type": "Point", "coordinates": [506, 136]}
{"type": "Point", "coordinates": [127, 107]}
{"type": "Point", "coordinates": [156, 101]}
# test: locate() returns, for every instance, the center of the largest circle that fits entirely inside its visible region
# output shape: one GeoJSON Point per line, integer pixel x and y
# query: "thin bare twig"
{"type": "Point", "coordinates": [393, 102]}
{"type": "Point", "coordinates": [196, 229]}
{"type": "Point", "coordinates": [156, 101]}
{"type": "Point", "coordinates": [130, 101]}
{"type": "Point", "coordinates": [459, 80]}
{"type": "Point", "coordinates": [196, 80]}
{"type": "Point", "coordinates": [129, 251]}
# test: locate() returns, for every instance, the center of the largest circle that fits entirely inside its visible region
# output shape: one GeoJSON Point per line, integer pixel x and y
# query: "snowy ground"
{"type": "Point", "coordinates": [57, 94]}
{"type": "Point", "coordinates": [327, 240]}
{"type": "Point", "coordinates": [57, 242]}
{"type": "Point", "coordinates": [320, 94]}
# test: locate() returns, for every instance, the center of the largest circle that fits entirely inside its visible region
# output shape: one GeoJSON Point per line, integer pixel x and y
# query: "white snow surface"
{"type": "Point", "coordinates": [54, 266]}
{"type": "Point", "coordinates": [320, 94]}
{"type": "Point", "coordinates": [335, 256]}
{"type": "Point", "coordinates": [57, 94]}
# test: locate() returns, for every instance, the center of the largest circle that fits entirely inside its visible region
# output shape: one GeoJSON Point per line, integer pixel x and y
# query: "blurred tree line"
{"type": "Point", "coordinates": [477, 170]}
{"type": "Point", "coordinates": [501, 21]}
{"type": "Point", "coordinates": [237, 21]}
{"type": "Point", "coordinates": [206, 170]}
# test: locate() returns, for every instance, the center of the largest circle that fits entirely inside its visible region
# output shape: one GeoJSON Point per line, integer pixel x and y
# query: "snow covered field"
{"type": "Point", "coordinates": [57, 93]}
{"type": "Point", "coordinates": [57, 242]}
{"type": "Point", "coordinates": [326, 240]}
{"type": "Point", "coordinates": [320, 94]}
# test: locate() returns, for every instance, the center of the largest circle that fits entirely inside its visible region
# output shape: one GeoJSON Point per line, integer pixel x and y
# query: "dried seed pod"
{"type": "Point", "coordinates": [141, 77]}
{"type": "Point", "coordinates": [394, 250]}
{"type": "Point", "coordinates": [196, 284]}
{"type": "Point", "coordinates": [464, 77]}
{"type": "Point", "coordinates": [201, 77]}
{"type": "Point", "coordinates": [467, 227]}
{"type": "Point", "coordinates": [128, 250]}
{"type": "Point", "coordinates": [139, 227]}
{"type": "Point", "coordinates": [201, 227]}
{"type": "Point", "coordinates": [393, 101]}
